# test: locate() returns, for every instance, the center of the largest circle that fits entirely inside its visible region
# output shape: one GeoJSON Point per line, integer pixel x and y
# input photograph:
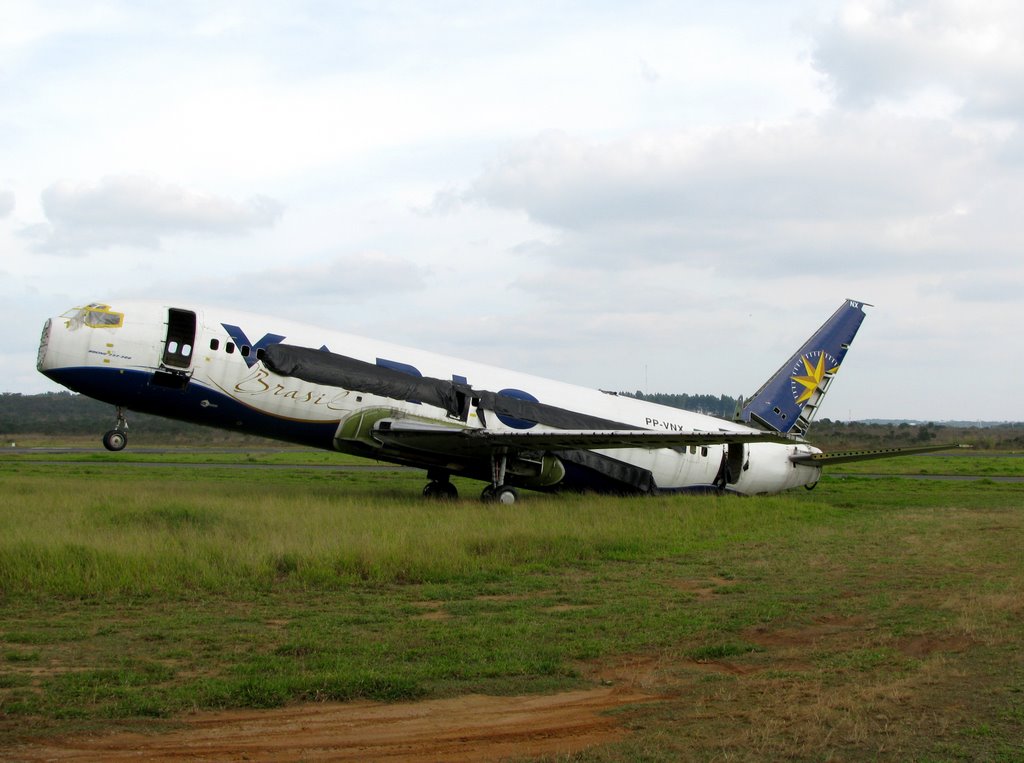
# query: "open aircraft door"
{"type": "Point", "coordinates": [735, 461]}
{"type": "Point", "coordinates": [179, 346]}
{"type": "Point", "coordinates": [181, 338]}
{"type": "Point", "coordinates": [737, 464]}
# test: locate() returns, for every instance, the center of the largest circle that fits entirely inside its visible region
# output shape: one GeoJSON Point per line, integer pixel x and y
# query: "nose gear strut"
{"type": "Point", "coordinates": [117, 438]}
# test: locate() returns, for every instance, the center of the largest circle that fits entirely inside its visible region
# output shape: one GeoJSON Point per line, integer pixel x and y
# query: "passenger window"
{"type": "Point", "coordinates": [229, 348]}
{"type": "Point", "coordinates": [172, 348]}
{"type": "Point", "coordinates": [245, 350]}
{"type": "Point", "coordinates": [186, 350]}
{"type": "Point", "coordinates": [214, 344]}
{"type": "Point", "coordinates": [260, 353]}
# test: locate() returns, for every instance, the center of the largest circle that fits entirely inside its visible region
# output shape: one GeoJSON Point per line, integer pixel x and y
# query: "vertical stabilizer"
{"type": "Point", "coordinates": [788, 401]}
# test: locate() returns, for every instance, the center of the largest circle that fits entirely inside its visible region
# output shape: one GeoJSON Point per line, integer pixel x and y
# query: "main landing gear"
{"type": "Point", "coordinates": [117, 438]}
{"type": "Point", "coordinates": [504, 494]}
{"type": "Point", "coordinates": [498, 491]}
{"type": "Point", "coordinates": [441, 488]}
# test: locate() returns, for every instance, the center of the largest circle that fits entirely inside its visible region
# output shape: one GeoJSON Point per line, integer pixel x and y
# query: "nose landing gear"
{"type": "Point", "coordinates": [117, 438]}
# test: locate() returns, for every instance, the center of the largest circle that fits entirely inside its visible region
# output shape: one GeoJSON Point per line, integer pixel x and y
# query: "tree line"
{"type": "Point", "coordinates": [722, 406]}
{"type": "Point", "coordinates": [57, 414]}
{"type": "Point", "coordinates": [68, 414]}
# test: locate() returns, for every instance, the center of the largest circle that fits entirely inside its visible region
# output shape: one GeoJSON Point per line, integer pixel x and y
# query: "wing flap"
{"type": "Point", "coordinates": [468, 441]}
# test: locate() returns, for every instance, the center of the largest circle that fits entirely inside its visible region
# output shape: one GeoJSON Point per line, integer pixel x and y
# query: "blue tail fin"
{"type": "Point", "coordinates": [787, 402]}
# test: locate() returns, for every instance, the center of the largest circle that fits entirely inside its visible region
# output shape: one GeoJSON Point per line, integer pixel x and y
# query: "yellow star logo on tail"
{"type": "Point", "coordinates": [815, 375]}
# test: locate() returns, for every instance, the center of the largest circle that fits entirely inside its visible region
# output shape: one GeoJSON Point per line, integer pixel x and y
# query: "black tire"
{"type": "Point", "coordinates": [441, 491]}
{"type": "Point", "coordinates": [115, 440]}
{"type": "Point", "coordinates": [504, 494]}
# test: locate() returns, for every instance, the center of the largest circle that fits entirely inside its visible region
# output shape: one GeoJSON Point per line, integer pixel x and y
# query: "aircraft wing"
{"type": "Point", "coordinates": [457, 441]}
{"type": "Point", "coordinates": [849, 456]}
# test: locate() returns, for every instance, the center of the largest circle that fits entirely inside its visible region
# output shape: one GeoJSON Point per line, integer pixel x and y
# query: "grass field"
{"type": "Point", "coordinates": [870, 618]}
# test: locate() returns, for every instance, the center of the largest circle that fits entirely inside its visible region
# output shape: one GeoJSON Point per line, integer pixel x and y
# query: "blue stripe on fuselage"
{"type": "Point", "coordinates": [197, 404]}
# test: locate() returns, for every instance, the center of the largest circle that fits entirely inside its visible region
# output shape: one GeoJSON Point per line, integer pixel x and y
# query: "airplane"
{"type": "Point", "coordinates": [259, 375]}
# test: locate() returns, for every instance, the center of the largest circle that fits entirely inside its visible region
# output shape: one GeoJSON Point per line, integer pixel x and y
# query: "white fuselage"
{"type": "Point", "coordinates": [219, 379]}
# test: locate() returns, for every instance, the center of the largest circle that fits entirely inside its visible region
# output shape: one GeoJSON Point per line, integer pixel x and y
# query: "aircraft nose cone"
{"type": "Point", "coordinates": [44, 346]}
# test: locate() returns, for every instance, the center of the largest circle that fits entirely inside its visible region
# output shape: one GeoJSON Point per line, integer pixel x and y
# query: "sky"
{"type": "Point", "coordinates": [656, 196]}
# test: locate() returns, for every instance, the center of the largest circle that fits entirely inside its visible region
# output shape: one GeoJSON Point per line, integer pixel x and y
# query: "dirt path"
{"type": "Point", "coordinates": [471, 728]}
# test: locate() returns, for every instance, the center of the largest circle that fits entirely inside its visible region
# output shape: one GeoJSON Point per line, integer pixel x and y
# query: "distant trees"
{"type": "Point", "coordinates": [67, 414]}
{"type": "Point", "coordinates": [64, 414]}
{"type": "Point", "coordinates": [56, 413]}
{"type": "Point", "coordinates": [722, 406]}
{"type": "Point", "coordinates": [52, 413]}
{"type": "Point", "coordinates": [838, 435]}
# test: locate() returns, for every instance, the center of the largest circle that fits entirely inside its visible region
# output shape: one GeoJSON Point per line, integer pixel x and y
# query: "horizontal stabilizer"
{"type": "Point", "coordinates": [849, 456]}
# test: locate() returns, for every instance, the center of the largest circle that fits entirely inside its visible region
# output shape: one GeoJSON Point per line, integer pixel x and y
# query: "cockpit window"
{"type": "Point", "coordinates": [95, 316]}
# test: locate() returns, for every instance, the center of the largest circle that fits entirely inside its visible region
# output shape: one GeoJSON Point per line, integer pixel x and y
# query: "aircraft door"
{"type": "Point", "coordinates": [181, 338]}
{"type": "Point", "coordinates": [736, 462]}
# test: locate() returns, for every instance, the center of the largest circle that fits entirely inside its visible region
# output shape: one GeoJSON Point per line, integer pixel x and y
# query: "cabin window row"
{"type": "Point", "coordinates": [229, 347]}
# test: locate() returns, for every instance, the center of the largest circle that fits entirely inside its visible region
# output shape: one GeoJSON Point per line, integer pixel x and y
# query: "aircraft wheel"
{"type": "Point", "coordinates": [437, 489]}
{"type": "Point", "coordinates": [505, 495]}
{"type": "Point", "coordinates": [115, 440]}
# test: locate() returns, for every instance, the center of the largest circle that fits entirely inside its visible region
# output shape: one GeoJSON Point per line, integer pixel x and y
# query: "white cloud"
{"type": "Point", "coordinates": [1001, 287]}
{"type": "Point", "coordinates": [6, 203]}
{"type": "Point", "coordinates": [678, 186]}
{"type": "Point", "coordinates": [357, 277]}
{"type": "Point", "coordinates": [139, 211]}
{"type": "Point", "coordinates": [649, 74]}
{"type": "Point", "coordinates": [968, 50]}
{"type": "Point", "coordinates": [28, 24]}
{"type": "Point", "coordinates": [839, 194]}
